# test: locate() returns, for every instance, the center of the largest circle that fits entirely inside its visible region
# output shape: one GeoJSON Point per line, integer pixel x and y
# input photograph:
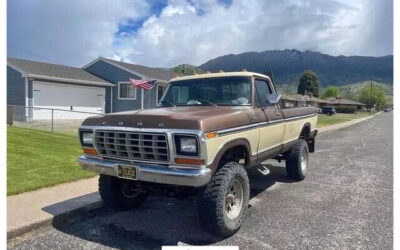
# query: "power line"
{"type": "Point", "coordinates": [30, 53]}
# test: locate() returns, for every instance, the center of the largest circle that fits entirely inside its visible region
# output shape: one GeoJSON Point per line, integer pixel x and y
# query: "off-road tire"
{"type": "Point", "coordinates": [111, 194]}
{"type": "Point", "coordinates": [211, 205]}
{"type": "Point", "coordinates": [294, 168]}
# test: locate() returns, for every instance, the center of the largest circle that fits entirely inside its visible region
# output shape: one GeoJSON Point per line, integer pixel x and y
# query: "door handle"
{"type": "Point", "coordinates": [278, 114]}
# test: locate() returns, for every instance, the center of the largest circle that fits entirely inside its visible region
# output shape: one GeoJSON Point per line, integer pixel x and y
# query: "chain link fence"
{"type": "Point", "coordinates": [47, 119]}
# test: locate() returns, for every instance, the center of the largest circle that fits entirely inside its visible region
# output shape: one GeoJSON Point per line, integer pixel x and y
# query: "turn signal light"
{"type": "Point", "coordinates": [210, 135]}
{"type": "Point", "coordinates": [208, 72]}
{"type": "Point", "coordinates": [188, 161]}
{"type": "Point", "coordinates": [244, 70]}
{"type": "Point", "coordinates": [90, 151]}
{"type": "Point", "coordinates": [220, 71]}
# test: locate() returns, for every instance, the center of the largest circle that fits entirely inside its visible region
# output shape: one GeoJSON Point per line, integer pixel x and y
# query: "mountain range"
{"type": "Point", "coordinates": [288, 65]}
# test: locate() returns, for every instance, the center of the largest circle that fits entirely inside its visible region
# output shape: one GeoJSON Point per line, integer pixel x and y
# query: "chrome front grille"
{"type": "Point", "coordinates": [132, 145]}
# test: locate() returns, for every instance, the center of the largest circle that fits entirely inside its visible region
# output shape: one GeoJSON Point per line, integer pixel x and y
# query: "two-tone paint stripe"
{"type": "Point", "coordinates": [260, 124]}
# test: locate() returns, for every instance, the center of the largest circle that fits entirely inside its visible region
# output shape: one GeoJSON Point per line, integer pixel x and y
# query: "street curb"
{"type": "Point", "coordinates": [69, 216]}
{"type": "Point", "coordinates": [338, 126]}
{"type": "Point", "coordinates": [76, 214]}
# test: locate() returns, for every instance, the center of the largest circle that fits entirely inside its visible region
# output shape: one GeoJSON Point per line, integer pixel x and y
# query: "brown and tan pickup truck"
{"type": "Point", "coordinates": [206, 133]}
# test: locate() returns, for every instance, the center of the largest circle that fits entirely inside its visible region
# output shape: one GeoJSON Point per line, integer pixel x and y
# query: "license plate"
{"type": "Point", "coordinates": [127, 172]}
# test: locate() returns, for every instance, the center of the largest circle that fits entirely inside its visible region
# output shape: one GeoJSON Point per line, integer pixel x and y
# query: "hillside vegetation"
{"type": "Point", "coordinates": [288, 65]}
{"type": "Point", "coordinates": [352, 91]}
{"type": "Point", "coordinates": [186, 69]}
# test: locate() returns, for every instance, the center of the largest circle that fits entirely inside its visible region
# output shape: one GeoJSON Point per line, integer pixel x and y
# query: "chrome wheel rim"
{"type": "Point", "coordinates": [304, 162]}
{"type": "Point", "coordinates": [234, 199]}
{"type": "Point", "coordinates": [129, 189]}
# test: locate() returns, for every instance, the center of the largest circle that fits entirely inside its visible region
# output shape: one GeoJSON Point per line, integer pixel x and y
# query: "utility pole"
{"type": "Point", "coordinates": [370, 98]}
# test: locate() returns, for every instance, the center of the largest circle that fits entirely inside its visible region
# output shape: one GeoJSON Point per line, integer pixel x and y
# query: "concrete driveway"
{"type": "Point", "coordinates": [346, 202]}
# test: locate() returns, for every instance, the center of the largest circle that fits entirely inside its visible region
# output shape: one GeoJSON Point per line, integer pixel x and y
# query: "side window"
{"type": "Point", "coordinates": [126, 91]}
{"type": "Point", "coordinates": [262, 89]}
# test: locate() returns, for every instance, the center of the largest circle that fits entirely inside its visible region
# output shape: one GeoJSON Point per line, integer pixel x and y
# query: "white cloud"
{"type": "Point", "coordinates": [71, 32]}
{"type": "Point", "coordinates": [180, 35]}
{"type": "Point", "coordinates": [76, 32]}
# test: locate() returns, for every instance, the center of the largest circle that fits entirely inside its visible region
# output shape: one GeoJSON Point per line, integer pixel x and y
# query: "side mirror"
{"type": "Point", "coordinates": [273, 98]}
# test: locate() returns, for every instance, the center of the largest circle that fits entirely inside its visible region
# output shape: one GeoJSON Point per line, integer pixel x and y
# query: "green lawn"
{"type": "Point", "coordinates": [37, 159]}
{"type": "Point", "coordinates": [325, 120]}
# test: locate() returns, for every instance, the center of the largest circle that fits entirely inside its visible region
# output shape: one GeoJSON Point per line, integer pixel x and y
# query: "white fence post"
{"type": "Point", "coordinates": [52, 120]}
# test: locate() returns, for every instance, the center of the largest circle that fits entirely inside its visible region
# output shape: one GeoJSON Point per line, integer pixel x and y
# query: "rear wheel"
{"type": "Point", "coordinates": [297, 161]}
{"type": "Point", "coordinates": [120, 193]}
{"type": "Point", "coordinates": [223, 204]}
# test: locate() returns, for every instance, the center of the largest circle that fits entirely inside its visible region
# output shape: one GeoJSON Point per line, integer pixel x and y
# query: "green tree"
{"type": "Point", "coordinates": [308, 83]}
{"type": "Point", "coordinates": [331, 92]}
{"type": "Point", "coordinates": [376, 99]}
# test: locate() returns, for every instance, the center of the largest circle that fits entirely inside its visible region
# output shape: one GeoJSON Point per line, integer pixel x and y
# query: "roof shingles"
{"type": "Point", "coordinates": [55, 72]}
{"type": "Point", "coordinates": [146, 72]}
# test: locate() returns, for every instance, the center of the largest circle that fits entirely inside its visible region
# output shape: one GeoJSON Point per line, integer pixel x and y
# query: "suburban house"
{"type": "Point", "coordinates": [122, 96]}
{"type": "Point", "coordinates": [346, 102]}
{"type": "Point", "coordinates": [297, 100]}
{"type": "Point", "coordinates": [102, 86]}
{"type": "Point", "coordinates": [46, 85]}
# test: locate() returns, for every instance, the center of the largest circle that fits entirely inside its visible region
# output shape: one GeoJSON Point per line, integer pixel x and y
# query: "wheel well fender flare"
{"type": "Point", "coordinates": [237, 142]}
{"type": "Point", "coordinates": [305, 129]}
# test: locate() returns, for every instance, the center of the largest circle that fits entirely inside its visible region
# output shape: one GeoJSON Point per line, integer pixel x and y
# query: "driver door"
{"type": "Point", "coordinates": [271, 134]}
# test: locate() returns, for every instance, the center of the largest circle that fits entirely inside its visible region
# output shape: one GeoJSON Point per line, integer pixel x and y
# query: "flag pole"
{"type": "Point", "coordinates": [142, 89]}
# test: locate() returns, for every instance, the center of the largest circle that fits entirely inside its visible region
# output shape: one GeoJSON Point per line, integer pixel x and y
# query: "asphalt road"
{"type": "Point", "coordinates": [346, 202]}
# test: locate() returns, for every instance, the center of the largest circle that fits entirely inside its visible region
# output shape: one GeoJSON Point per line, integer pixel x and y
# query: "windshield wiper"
{"type": "Point", "coordinates": [170, 103]}
{"type": "Point", "coordinates": [208, 102]}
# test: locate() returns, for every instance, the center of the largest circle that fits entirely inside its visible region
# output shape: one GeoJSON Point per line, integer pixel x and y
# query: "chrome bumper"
{"type": "Point", "coordinates": [150, 173]}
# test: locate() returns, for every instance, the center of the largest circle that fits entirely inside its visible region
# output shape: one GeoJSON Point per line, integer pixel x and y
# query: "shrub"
{"type": "Point", "coordinates": [346, 109]}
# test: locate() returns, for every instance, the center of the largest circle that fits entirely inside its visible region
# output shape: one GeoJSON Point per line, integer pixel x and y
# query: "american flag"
{"type": "Point", "coordinates": [147, 85]}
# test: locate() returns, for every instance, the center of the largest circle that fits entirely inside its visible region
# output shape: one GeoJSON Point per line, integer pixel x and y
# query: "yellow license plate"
{"type": "Point", "coordinates": [127, 172]}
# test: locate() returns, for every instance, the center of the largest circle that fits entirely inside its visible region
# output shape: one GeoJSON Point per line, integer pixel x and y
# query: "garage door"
{"type": "Point", "coordinates": [68, 97]}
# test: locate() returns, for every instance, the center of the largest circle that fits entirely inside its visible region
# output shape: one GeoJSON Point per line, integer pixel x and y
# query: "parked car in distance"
{"type": "Point", "coordinates": [207, 132]}
{"type": "Point", "coordinates": [387, 110]}
{"type": "Point", "coordinates": [328, 110]}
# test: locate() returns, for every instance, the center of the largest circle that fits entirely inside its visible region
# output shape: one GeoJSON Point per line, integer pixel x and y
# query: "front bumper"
{"type": "Point", "coordinates": [151, 173]}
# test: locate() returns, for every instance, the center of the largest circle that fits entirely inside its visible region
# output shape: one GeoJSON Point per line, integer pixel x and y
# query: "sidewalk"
{"type": "Point", "coordinates": [29, 210]}
{"type": "Point", "coordinates": [34, 209]}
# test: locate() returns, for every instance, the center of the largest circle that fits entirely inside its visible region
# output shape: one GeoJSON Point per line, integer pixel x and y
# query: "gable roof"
{"type": "Point", "coordinates": [306, 98]}
{"type": "Point", "coordinates": [143, 71]}
{"type": "Point", "coordinates": [346, 102]}
{"type": "Point", "coordinates": [55, 72]}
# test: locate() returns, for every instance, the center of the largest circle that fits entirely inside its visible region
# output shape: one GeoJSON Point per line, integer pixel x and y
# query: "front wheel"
{"type": "Point", "coordinates": [223, 204]}
{"type": "Point", "coordinates": [120, 193]}
{"type": "Point", "coordinates": [297, 161]}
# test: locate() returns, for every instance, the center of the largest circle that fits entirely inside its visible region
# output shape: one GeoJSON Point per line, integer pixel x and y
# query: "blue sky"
{"type": "Point", "coordinates": [132, 25]}
{"type": "Point", "coordinates": [166, 33]}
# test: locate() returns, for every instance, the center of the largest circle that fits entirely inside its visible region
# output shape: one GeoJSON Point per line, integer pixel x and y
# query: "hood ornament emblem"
{"type": "Point", "coordinates": [161, 124]}
{"type": "Point", "coordinates": [120, 123]}
{"type": "Point", "coordinates": [139, 124]}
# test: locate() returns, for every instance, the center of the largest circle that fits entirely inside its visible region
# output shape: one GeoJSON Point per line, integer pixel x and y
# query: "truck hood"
{"type": "Point", "coordinates": [204, 118]}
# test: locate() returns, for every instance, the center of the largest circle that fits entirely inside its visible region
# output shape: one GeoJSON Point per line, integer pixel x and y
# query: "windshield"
{"type": "Point", "coordinates": [221, 91]}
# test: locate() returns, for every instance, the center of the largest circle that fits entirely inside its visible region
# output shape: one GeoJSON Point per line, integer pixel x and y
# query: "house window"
{"type": "Point", "coordinates": [126, 91]}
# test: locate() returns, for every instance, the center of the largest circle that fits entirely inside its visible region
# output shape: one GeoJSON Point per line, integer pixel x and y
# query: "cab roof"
{"type": "Point", "coordinates": [220, 74]}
